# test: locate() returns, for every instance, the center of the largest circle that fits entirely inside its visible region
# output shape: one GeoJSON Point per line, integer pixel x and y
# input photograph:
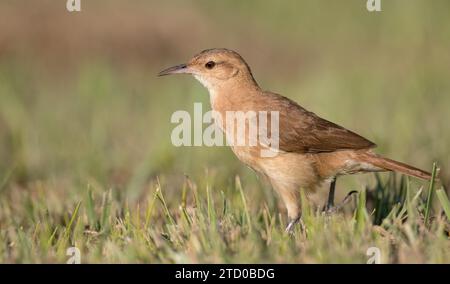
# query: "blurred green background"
{"type": "Point", "coordinates": [80, 103]}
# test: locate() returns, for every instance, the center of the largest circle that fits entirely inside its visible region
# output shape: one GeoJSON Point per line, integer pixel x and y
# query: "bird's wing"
{"type": "Point", "coordinates": [304, 132]}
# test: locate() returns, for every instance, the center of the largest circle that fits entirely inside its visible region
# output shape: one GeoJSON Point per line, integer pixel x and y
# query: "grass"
{"type": "Point", "coordinates": [208, 225]}
{"type": "Point", "coordinates": [85, 152]}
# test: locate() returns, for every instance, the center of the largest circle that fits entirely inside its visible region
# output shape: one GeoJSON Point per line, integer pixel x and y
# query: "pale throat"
{"type": "Point", "coordinates": [224, 91]}
{"type": "Point", "coordinates": [212, 89]}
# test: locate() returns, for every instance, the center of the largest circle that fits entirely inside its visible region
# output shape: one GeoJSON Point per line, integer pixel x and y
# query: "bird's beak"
{"type": "Point", "coordinates": [179, 69]}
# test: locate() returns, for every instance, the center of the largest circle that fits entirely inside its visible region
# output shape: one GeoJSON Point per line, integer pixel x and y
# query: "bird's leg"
{"type": "Point", "coordinates": [329, 207]}
{"type": "Point", "coordinates": [291, 199]}
{"type": "Point", "coordinates": [292, 223]}
{"type": "Point", "coordinates": [330, 202]}
{"type": "Point", "coordinates": [338, 207]}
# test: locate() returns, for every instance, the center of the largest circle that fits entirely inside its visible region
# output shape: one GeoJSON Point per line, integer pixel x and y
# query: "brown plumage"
{"type": "Point", "coordinates": [302, 131]}
{"type": "Point", "coordinates": [311, 149]}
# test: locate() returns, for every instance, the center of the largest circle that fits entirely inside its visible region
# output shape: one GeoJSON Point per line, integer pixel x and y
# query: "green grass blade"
{"type": "Point", "coordinates": [74, 216]}
{"type": "Point", "coordinates": [106, 211]}
{"type": "Point", "coordinates": [361, 213]}
{"type": "Point", "coordinates": [430, 194]}
{"type": "Point", "coordinates": [445, 202]}
{"type": "Point", "coordinates": [164, 204]}
{"type": "Point", "coordinates": [211, 210]}
{"type": "Point", "coordinates": [246, 211]}
{"type": "Point", "coordinates": [149, 211]}
{"type": "Point", "coordinates": [90, 209]}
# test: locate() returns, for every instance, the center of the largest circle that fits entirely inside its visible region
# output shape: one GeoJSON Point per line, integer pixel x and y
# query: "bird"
{"type": "Point", "coordinates": [311, 151]}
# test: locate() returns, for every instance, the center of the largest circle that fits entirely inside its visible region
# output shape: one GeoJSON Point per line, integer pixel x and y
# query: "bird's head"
{"type": "Point", "coordinates": [215, 68]}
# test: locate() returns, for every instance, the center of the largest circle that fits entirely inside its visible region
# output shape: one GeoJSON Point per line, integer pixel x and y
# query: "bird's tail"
{"type": "Point", "coordinates": [391, 165]}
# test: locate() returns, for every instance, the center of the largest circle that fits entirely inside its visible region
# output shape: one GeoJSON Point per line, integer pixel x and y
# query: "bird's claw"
{"type": "Point", "coordinates": [292, 223]}
{"type": "Point", "coordinates": [329, 209]}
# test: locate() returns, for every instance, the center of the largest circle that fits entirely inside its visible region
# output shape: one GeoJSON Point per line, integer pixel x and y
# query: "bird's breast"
{"type": "Point", "coordinates": [241, 135]}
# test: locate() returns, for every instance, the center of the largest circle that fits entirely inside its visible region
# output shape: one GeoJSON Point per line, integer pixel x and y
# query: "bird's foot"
{"type": "Point", "coordinates": [292, 223]}
{"type": "Point", "coordinates": [330, 209]}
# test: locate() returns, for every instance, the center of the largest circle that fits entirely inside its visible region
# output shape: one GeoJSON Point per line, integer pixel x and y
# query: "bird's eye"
{"type": "Point", "coordinates": [210, 65]}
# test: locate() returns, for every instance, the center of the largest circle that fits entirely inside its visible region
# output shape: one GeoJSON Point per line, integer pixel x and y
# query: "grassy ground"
{"type": "Point", "coordinates": [85, 152]}
{"type": "Point", "coordinates": [217, 224]}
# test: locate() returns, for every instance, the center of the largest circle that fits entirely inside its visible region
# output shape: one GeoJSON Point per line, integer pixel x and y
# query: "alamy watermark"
{"type": "Point", "coordinates": [374, 254]}
{"type": "Point", "coordinates": [73, 5]}
{"type": "Point", "coordinates": [232, 128]}
{"type": "Point", "coordinates": [75, 255]}
{"type": "Point", "coordinates": [373, 5]}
